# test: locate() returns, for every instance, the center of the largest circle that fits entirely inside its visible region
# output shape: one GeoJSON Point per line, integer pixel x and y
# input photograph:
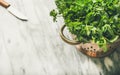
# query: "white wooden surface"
{"type": "Point", "coordinates": [35, 48]}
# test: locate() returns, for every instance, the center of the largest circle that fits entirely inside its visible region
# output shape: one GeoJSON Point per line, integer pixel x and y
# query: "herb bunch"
{"type": "Point", "coordinates": [97, 21]}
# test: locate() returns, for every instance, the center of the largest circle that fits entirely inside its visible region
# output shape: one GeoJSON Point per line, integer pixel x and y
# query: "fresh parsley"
{"type": "Point", "coordinates": [91, 20]}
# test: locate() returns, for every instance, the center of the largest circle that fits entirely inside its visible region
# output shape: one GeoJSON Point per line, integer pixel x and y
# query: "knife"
{"type": "Point", "coordinates": [13, 11]}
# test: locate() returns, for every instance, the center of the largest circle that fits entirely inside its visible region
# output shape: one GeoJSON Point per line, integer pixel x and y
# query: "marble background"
{"type": "Point", "coordinates": [35, 48]}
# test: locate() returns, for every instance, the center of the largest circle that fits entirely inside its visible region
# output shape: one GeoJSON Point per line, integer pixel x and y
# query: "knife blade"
{"type": "Point", "coordinates": [13, 11]}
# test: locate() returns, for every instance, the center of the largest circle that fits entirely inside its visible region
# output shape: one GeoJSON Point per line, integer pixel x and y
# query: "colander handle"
{"type": "Point", "coordinates": [71, 42]}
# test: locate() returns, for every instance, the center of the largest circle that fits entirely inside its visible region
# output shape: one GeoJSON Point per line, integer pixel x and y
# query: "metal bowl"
{"type": "Point", "coordinates": [90, 49]}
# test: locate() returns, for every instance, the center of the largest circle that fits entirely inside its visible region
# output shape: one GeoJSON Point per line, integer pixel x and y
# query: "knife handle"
{"type": "Point", "coordinates": [4, 4]}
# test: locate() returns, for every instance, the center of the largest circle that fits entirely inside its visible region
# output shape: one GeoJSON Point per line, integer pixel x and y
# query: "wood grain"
{"type": "Point", "coordinates": [35, 47]}
{"type": "Point", "coordinates": [4, 4]}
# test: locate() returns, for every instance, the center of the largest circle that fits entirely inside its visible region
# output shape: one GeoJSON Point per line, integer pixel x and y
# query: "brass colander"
{"type": "Point", "coordinates": [90, 49]}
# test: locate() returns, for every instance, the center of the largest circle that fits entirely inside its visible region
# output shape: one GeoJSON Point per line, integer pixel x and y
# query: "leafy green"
{"type": "Point", "coordinates": [53, 13]}
{"type": "Point", "coordinates": [91, 20]}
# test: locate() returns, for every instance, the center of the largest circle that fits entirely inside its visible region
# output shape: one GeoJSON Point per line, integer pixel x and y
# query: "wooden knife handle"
{"type": "Point", "coordinates": [4, 4]}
